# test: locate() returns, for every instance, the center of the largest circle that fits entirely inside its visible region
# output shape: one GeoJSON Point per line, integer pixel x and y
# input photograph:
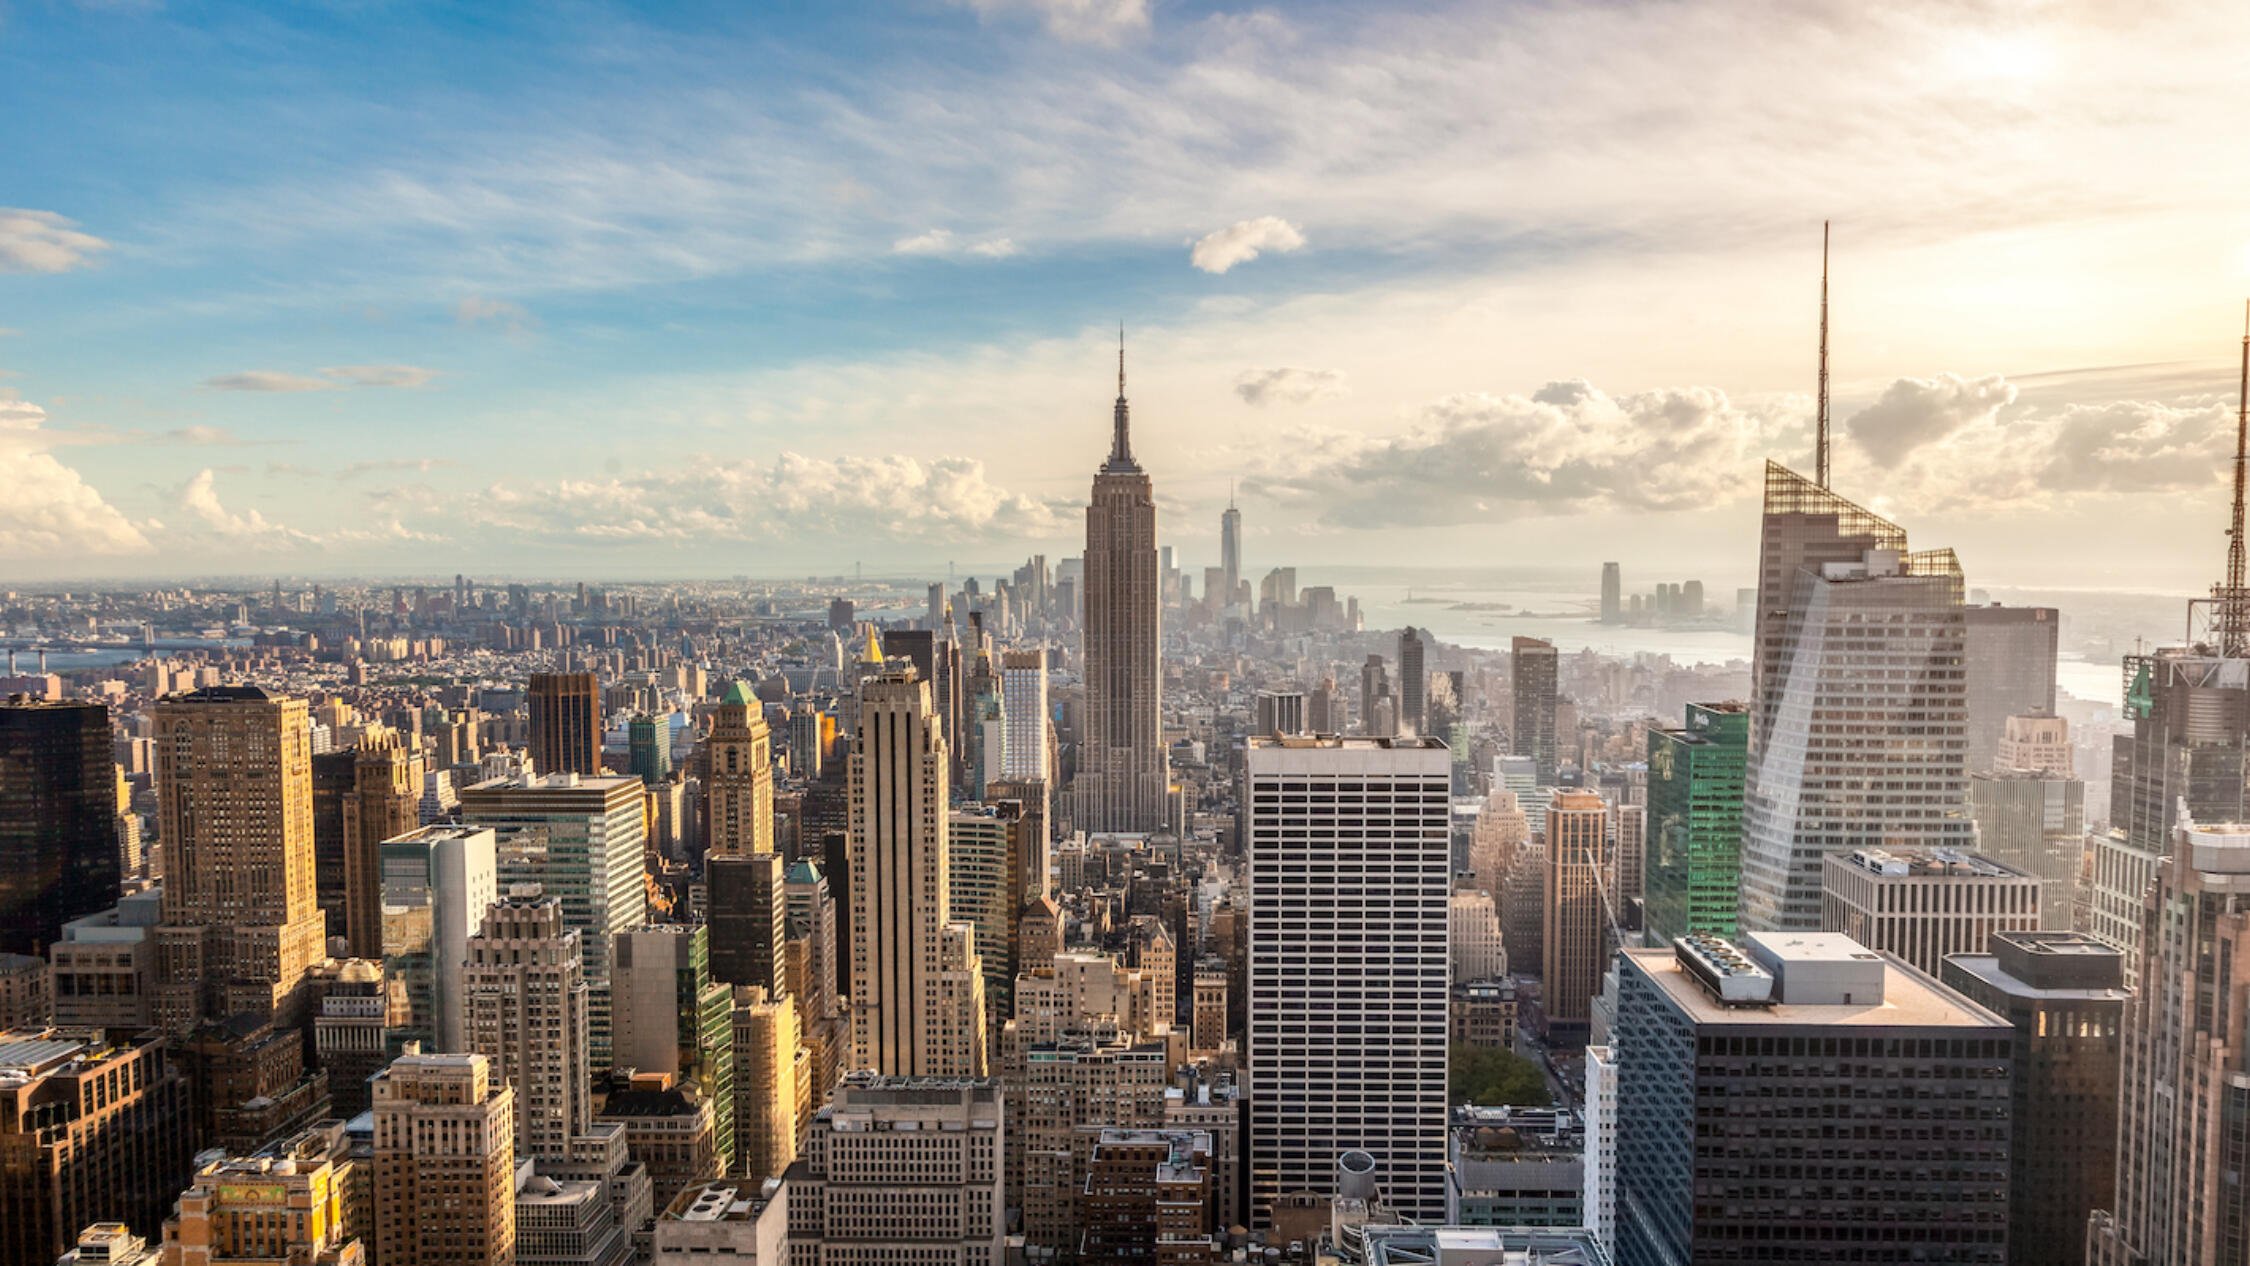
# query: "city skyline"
{"type": "Point", "coordinates": [593, 305]}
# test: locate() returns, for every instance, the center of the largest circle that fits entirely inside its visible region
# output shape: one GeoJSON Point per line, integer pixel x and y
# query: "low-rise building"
{"type": "Point", "coordinates": [1515, 1167]}
{"type": "Point", "coordinates": [725, 1223]}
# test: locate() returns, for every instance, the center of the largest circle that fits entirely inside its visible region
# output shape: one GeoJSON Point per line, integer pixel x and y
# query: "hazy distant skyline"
{"type": "Point", "coordinates": [767, 290]}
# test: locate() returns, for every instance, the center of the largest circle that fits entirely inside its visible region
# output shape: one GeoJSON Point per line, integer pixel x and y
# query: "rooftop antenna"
{"type": "Point", "coordinates": [1820, 451]}
{"type": "Point", "coordinates": [2234, 602]}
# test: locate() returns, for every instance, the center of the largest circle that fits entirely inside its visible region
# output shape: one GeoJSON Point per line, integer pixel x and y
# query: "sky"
{"type": "Point", "coordinates": [615, 291]}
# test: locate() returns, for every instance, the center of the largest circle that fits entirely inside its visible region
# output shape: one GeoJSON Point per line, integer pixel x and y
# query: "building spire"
{"type": "Point", "coordinates": [1121, 440]}
{"type": "Point", "coordinates": [2234, 599]}
{"type": "Point", "coordinates": [1820, 441]}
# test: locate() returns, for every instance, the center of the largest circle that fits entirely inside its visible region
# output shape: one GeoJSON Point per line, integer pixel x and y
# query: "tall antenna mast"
{"type": "Point", "coordinates": [2234, 604]}
{"type": "Point", "coordinates": [1820, 450]}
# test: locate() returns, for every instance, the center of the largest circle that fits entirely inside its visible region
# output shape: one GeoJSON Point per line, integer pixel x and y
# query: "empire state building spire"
{"type": "Point", "coordinates": [1121, 439]}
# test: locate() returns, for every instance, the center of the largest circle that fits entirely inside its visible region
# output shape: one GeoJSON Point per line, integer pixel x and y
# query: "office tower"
{"type": "Point", "coordinates": [104, 968]}
{"type": "Point", "coordinates": [1023, 695]}
{"type": "Point", "coordinates": [649, 748]}
{"type": "Point", "coordinates": [2064, 995]}
{"type": "Point", "coordinates": [1374, 688]}
{"type": "Point", "coordinates": [1413, 682]}
{"type": "Point", "coordinates": [1693, 858]}
{"type": "Point", "coordinates": [807, 750]}
{"type": "Point", "coordinates": [1598, 1195]}
{"type": "Point", "coordinates": [1613, 590]}
{"type": "Point", "coordinates": [1280, 712]}
{"type": "Point", "coordinates": [813, 976]}
{"type": "Point", "coordinates": [1151, 1189]}
{"type": "Point", "coordinates": [2009, 653]}
{"type": "Point", "coordinates": [1473, 922]}
{"type": "Point", "coordinates": [334, 776]}
{"type": "Point", "coordinates": [673, 1019]}
{"type": "Point", "coordinates": [669, 1127]}
{"type": "Point", "coordinates": [744, 871]}
{"type": "Point", "coordinates": [900, 1169]}
{"type": "Point", "coordinates": [566, 723]}
{"type": "Point", "coordinates": [352, 1034]}
{"type": "Point", "coordinates": [1532, 668]}
{"type": "Point", "coordinates": [1923, 906]}
{"type": "Point", "coordinates": [1230, 557]}
{"type": "Point", "coordinates": [95, 1129]}
{"type": "Point", "coordinates": [735, 1222]}
{"type": "Point", "coordinates": [1207, 1014]}
{"type": "Point", "coordinates": [58, 820]}
{"type": "Point", "coordinates": [445, 1134]}
{"type": "Point", "coordinates": [1575, 947]}
{"type": "Point", "coordinates": [26, 992]}
{"type": "Point", "coordinates": [917, 985]}
{"type": "Point", "coordinates": [1338, 829]}
{"type": "Point", "coordinates": [580, 840]}
{"type": "Point", "coordinates": [437, 883]}
{"type": "Point", "coordinates": [2035, 822]}
{"type": "Point", "coordinates": [528, 1014]}
{"type": "Point", "coordinates": [841, 615]}
{"type": "Point", "coordinates": [234, 800]}
{"type": "Point", "coordinates": [2037, 743]}
{"type": "Point", "coordinates": [385, 801]}
{"type": "Point", "coordinates": [1750, 1072]}
{"type": "Point", "coordinates": [1628, 861]}
{"type": "Point", "coordinates": [772, 1091]}
{"type": "Point", "coordinates": [2190, 709]}
{"type": "Point", "coordinates": [985, 888]}
{"type": "Point", "coordinates": [1897, 776]}
{"type": "Point", "coordinates": [1122, 775]}
{"type": "Point", "coordinates": [748, 918]}
{"type": "Point", "coordinates": [1324, 709]}
{"type": "Point", "coordinates": [294, 1203]}
{"type": "Point", "coordinates": [2181, 1111]}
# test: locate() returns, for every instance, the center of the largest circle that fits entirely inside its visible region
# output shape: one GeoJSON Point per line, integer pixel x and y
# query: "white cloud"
{"type": "Point", "coordinates": [1243, 241]}
{"type": "Point", "coordinates": [1914, 412]}
{"type": "Point", "coordinates": [944, 242]}
{"type": "Point", "coordinates": [1289, 386]}
{"type": "Point", "coordinates": [50, 513]}
{"type": "Point", "coordinates": [43, 242]}
{"type": "Point", "coordinates": [1085, 21]}
{"type": "Point", "coordinates": [267, 380]}
{"type": "Point", "coordinates": [505, 313]}
{"type": "Point", "coordinates": [208, 516]}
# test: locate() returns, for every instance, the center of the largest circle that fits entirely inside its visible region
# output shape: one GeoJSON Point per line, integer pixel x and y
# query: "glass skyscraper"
{"type": "Point", "coordinates": [1694, 851]}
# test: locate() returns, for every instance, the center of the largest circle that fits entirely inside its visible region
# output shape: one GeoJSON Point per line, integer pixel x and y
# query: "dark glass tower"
{"type": "Point", "coordinates": [58, 820]}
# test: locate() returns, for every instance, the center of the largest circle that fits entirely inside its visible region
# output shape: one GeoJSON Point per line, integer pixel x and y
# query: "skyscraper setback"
{"type": "Point", "coordinates": [1122, 771]}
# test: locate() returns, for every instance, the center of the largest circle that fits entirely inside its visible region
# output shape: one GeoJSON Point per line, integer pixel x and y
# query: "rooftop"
{"type": "Point", "coordinates": [1918, 863]}
{"type": "Point", "coordinates": [1908, 998]}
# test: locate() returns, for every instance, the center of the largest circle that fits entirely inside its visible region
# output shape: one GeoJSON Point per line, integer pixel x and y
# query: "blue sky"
{"type": "Point", "coordinates": [604, 290]}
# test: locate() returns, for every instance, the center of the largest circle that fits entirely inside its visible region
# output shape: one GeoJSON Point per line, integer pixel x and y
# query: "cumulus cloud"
{"type": "Point", "coordinates": [1913, 412]}
{"type": "Point", "coordinates": [49, 511]}
{"type": "Point", "coordinates": [1084, 21]}
{"type": "Point", "coordinates": [1243, 241]}
{"type": "Point", "coordinates": [1288, 386]}
{"type": "Point", "coordinates": [208, 516]}
{"type": "Point", "coordinates": [892, 498]}
{"type": "Point", "coordinates": [43, 242]}
{"type": "Point", "coordinates": [944, 242]}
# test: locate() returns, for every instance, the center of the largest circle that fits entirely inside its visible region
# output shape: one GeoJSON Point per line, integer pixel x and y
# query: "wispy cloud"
{"type": "Point", "coordinates": [379, 375]}
{"type": "Point", "coordinates": [44, 242]}
{"type": "Point", "coordinates": [267, 380]}
{"type": "Point", "coordinates": [505, 313]}
{"type": "Point", "coordinates": [1288, 386]}
{"type": "Point", "coordinates": [333, 378]}
{"type": "Point", "coordinates": [943, 242]}
{"type": "Point", "coordinates": [1243, 241]}
{"type": "Point", "coordinates": [1085, 21]}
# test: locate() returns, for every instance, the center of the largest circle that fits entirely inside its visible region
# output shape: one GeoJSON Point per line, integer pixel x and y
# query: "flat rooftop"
{"type": "Point", "coordinates": [1927, 863]}
{"type": "Point", "coordinates": [1910, 999]}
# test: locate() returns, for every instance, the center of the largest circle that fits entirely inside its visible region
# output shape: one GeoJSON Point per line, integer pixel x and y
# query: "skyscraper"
{"type": "Point", "coordinates": [1350, 877]}
{"type": "Point", "coordinates": [1613, 594]}
{"type": "Point", "coordinates": [2009, 653]}
{"type": "Point", "coordinates": [1896, 776]}
{"type": "Point", "coordinates": [771, 1072]}
{"type": "Point", "coordinates": [234, 802]}
{"type": "Point", "coordinates": [1532, 667]}
{"type": "Point", "coordinates": [1023, 702]}
{"type": "Point", "coordinates": [1230, 552]}
{"type": "Point", "coordinates": [2182, 1113]}
{"type": "Point", "coordinates": [901, 1170]}
{"type": "Point", "coordinates": [1576, 946]}
{"type": "Point", "coordinates": [94, 1130]}
{"type": "Point", "coordinates": [438, 881]}
{"type": "Point", "coordinates": [445, 1133]}
{"type": "Point", "coordinates": [1413, 683]}
{"type": "Point", "coordinates": [580, 840]}
{"type": "Point", "coordinates": [1122, 771]}
{"type": "Point", "coordinates": [1694, 857]}
{"type": "Point", "coordinates": [649, 748]}
{"type": "Point", "coordinates": [917, 982]}
{"type": "Point", "coordinates": [674, 1019]}
{"type": "Point", "coordinates": [1801, 1099]}
{"type": "Point", "coordinates": [525, 981]}
{"type": "Point", "coordinates": [58, 820]}
{"type": "Point", "coordinates": [384, 801]}
{"type": "Point", "coordinates": [566, 723]}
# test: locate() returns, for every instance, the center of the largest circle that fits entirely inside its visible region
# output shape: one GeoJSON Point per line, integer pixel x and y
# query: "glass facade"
{"type": "Point", "coordinates": [1694, 849]}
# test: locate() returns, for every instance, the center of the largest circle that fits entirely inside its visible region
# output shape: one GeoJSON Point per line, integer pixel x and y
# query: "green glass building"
{"type": "Point", "coordinates": [1694, 860]}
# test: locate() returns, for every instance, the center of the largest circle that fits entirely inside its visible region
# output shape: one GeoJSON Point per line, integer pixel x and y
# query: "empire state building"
{"type": "Point", "coordinates": [1122, 773]}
